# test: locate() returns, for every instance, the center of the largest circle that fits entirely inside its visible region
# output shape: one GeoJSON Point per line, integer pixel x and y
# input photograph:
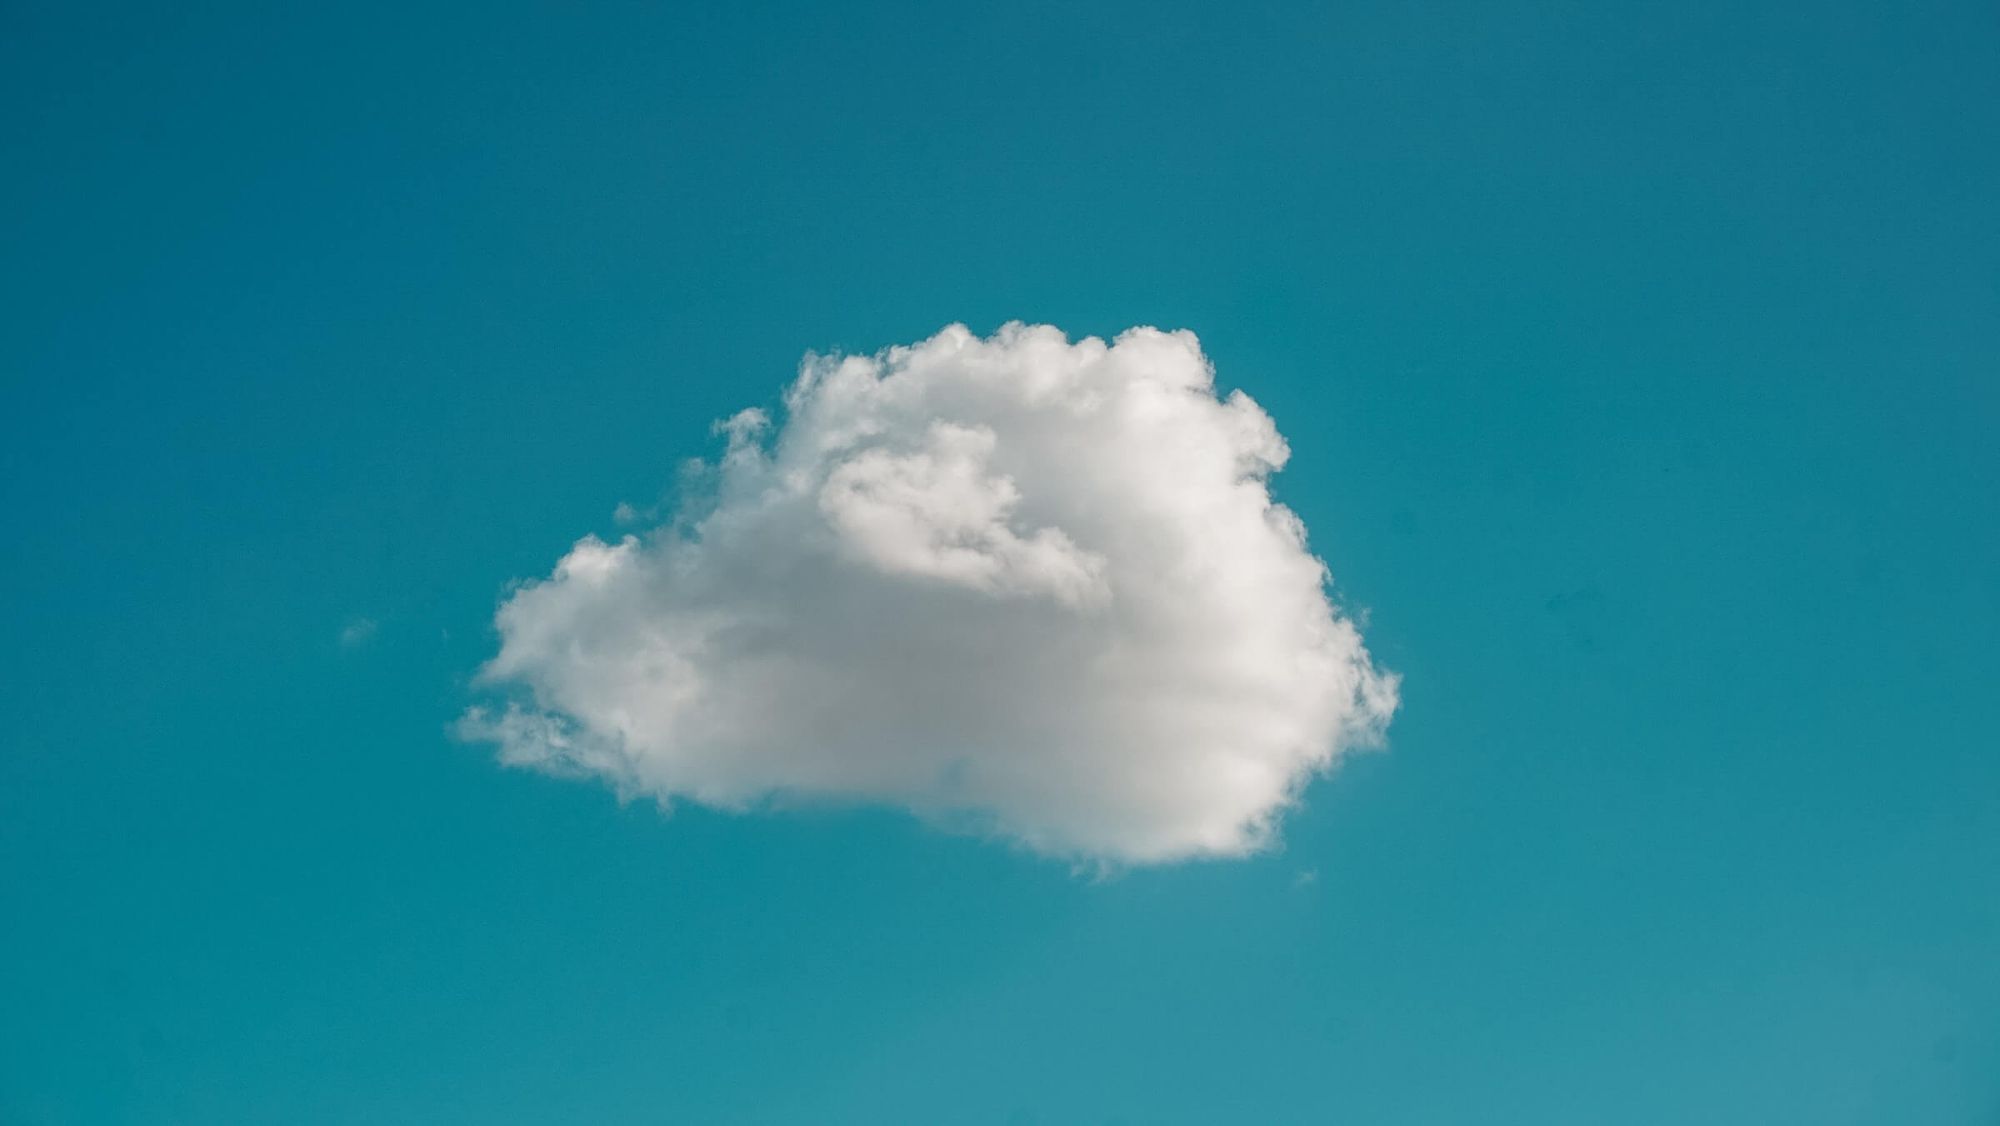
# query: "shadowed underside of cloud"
{"type": "Point", "coordinates": [1016, 585]}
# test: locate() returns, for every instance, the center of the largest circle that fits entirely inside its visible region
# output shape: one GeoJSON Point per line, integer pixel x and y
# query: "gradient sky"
{"type": "Point", "coordinates": [1642, 369]}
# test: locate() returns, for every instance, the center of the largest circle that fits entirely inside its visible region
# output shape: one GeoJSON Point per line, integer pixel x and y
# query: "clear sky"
{"type": "Point", "coordinates": [1641, 368]}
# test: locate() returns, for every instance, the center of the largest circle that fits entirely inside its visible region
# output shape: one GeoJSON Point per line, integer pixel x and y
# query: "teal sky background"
{"type": "Point", "coordinates": [1642, 369]}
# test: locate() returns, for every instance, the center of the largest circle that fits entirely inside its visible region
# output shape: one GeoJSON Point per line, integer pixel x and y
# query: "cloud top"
{"type": "Point", "coordinates": [1017, 585]}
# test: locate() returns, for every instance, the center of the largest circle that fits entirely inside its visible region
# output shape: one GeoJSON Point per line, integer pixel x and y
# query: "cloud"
{"type": "Point", "coordinates": [357, 632]}
{"type": "Point", "coordinates": [1017, 585]}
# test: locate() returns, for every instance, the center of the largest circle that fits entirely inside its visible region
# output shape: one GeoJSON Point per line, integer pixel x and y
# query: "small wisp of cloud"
{"type": "Point", "coordinates": [357, 632]}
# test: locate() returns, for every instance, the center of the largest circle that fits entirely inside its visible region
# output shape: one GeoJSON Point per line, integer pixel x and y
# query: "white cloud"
{"type": "Point", "coordinates": [1016, 585]}
{"type": "Point", "coordinates": [357, 632]}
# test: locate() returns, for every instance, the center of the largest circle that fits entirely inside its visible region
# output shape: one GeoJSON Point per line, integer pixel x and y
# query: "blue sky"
{"type": "Point", "coordinates": [1639, 367]}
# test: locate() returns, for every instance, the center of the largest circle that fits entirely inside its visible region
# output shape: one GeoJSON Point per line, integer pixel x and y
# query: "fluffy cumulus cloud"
{"type": "Point", "coordinates": [1018, 585]}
